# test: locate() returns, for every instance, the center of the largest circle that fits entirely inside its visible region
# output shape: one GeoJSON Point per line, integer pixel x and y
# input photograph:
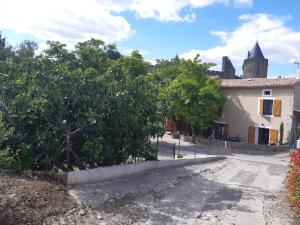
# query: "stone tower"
{"type": "Point", "coordinates": [227, 68]}
{"type": "Point", "coordinates": [255, 66]}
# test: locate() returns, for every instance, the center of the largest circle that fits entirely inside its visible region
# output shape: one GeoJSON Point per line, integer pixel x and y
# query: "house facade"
{"type": "Point", "coordinates": [256, 108]}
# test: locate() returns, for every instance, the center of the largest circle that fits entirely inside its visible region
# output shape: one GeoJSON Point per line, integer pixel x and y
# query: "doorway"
{"type": "Point", "coordinates": [263, 136]}
{"type": "Point", "coordinates": [219, 131]}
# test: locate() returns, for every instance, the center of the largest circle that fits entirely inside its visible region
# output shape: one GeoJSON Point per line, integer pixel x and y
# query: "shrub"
{"type": "Point", "coordinates": [7, 159]}
{"type": "Point", "coordinates": [77, 109]}
{"type": "Point", "coordinates": [281, 133]}
{"type": "Point", "coordinates": [8, 162]}
{"type": "Point", "coordinates": [293, 180]}
{"type": "Point", "coordinates": [179, 155]}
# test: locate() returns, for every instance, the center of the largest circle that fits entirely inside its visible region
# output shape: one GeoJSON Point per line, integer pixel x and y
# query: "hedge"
{"type": "Point", "coordinates": [293, 180]}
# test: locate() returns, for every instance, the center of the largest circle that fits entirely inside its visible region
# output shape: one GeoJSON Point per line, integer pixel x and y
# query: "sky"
{"type": "Point", "coordinates": [160, 29]}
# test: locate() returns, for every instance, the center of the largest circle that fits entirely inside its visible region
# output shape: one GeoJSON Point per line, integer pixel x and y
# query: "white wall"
{"type": "Point", "coordinates": [241, 110]}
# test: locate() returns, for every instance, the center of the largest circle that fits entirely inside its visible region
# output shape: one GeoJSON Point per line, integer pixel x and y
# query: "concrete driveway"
{"type": "Point", "coordinates": [232, 191]}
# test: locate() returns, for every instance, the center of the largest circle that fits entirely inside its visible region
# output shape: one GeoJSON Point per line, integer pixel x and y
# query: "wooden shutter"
{"type": "Point", "coordinates": [277, 108]}
{"type": "Point", "coordinates": [251, 135]}
{"type": "Point", "coordinates": [261, 106]}
{"type": "Point", "coordinates": [225, 131]}
{"type": "Point", "coordinates": [273, 138]}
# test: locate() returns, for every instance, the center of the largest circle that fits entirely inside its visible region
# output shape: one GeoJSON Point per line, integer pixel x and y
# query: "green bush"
{"type": "Point", "coordinates": [281, 128]}
{"type": "Point", "coordinates": [7, 161]}
{"type": "Point", "coordinates": [77, 109]}
{"type": "Point", "coordinates": [179, 155]}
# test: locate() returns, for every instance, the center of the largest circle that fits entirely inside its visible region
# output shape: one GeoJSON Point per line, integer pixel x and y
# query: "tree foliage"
{"type": "Point", "coordinates": [77, 109]}
{"type": "Point", "coordinates": [5, 49]}
{"type": "Point", "coordinates": [189, 93]}
{"type": "Point", "coordinates": [92, 106]}
{"type": "Point", "coordinates": [25, 50]}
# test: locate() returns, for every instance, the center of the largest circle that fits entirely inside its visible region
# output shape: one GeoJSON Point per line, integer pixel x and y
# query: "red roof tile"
{"type": "Point", "coordinates": [259, 82]}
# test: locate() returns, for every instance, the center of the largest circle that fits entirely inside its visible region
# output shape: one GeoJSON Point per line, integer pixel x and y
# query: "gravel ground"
{"type": "Point", "coordinates": [25, 199]}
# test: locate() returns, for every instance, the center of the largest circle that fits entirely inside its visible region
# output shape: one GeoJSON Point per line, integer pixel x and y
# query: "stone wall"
{"type": "Point", "coordinates": [228, 71]}
{"type": "Point", "coordinates": [255, 68]}
{"type": "Point", "coordinates": [227, 68]}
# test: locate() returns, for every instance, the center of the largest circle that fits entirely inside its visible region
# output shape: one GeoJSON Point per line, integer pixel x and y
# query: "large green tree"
{"type": "Point", "coordinates": [92, 106]}
{"type": "Point", "coordinates": [78, 109]}
{"type": "Point", "coordinates": [25, 50]}
{"type": "Point", "coordinates": [6, 51]}
{"type": "Point", "coordinates": [189, 94]}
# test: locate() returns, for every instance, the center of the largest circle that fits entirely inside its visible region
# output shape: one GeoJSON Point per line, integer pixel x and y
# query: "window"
{"type": "Point", "coordinates": [267, 93]}
{"type": "Point", "coordinates": [267, 107]}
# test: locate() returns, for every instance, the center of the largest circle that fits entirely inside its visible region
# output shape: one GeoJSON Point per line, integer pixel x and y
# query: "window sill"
{"type": "Point", "coordinates": [267, 116]}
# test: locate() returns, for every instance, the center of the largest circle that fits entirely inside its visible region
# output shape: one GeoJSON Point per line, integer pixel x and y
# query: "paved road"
{"type": "Point", "coordinates": [231, 191]}
{"type": "Point", "coordinates": [190, 150]}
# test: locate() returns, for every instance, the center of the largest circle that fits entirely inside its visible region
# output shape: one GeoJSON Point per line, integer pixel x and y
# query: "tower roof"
{"type": "Point", "coordinates": [256, 52]}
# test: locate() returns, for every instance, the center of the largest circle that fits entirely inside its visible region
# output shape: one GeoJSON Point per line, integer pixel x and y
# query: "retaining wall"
{"type": "Point", "coordinates": [110, 172]}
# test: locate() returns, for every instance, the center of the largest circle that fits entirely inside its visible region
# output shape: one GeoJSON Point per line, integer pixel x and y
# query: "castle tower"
{"type": "Point", "coordinates": [255, 66]}
{"type": "Point", "coordinates": [227, 68]}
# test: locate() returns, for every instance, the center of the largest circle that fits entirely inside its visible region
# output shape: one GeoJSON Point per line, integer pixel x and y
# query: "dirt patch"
{"type": "Point", "coordinates": [25, 199]}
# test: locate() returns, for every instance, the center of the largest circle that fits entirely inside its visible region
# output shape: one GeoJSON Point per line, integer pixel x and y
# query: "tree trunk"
{"type": "Point", "coordinates": [68, 149]}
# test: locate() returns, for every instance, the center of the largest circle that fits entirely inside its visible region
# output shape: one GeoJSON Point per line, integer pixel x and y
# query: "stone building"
{"type": "Point", "coordinates": [228, 71]}
{"type": "Point", "coordinates": [256, 108]}
{"type": "Point", "coordinates": [256, 65]}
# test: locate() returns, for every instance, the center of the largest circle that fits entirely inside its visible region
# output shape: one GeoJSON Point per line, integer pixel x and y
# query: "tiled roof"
{"type": "Point", "coordinates": [259, 82]}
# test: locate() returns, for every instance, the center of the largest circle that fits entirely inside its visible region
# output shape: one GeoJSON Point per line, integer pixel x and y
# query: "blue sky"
{"type": "Point", "coordinates": [161, 29]}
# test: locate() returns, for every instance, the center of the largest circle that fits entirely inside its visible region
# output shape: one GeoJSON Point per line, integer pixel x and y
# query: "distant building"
{"type": "Point", "coordinates": [228, 71]}
{"type": "Point", "coordinates": [256, 65]}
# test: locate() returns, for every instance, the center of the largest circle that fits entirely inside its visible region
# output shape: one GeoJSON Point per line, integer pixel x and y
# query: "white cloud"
{"type": "Point", "coordinates": [279, 43]}
{"type": "Point", "coordinates": [70, 21]}
{"type": "Point", "coordinates": [243, 3]}
{"type": "Point", "coordinates": [128, 51]}
{"type": "Point", "coordinates": [174, 10]}
{"type": "Point", "coordinates": [170, 10]}
{"type": "Point", "coordinates": [63, 20]}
